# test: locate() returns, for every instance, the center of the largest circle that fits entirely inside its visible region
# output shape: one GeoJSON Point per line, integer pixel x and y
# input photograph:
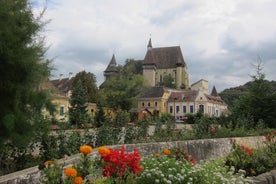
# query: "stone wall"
{"type": "Point", "coordinates": [204, 149]}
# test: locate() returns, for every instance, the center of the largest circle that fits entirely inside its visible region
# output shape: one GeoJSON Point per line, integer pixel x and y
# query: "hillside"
{"type": "Point", "coordinates": [232, 94]}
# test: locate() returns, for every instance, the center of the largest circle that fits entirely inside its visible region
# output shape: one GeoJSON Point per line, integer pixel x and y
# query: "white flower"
{"type": "Point", "coordinates": [157, 181]}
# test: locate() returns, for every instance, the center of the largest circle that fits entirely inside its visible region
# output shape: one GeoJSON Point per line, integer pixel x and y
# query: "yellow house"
{"type": "Point", "coordinates": [155, 100]}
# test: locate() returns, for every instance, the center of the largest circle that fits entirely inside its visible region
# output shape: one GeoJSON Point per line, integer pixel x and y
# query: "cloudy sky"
{"type": "Point", "coordinates": [221, 40]}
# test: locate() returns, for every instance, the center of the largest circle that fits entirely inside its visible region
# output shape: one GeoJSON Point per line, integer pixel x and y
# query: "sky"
{"type": "Point", "coordinates": [221, 40]}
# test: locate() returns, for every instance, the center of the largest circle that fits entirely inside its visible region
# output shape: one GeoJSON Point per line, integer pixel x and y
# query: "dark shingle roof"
{"type": "Point", "coordinates": [153, 92]}
{"type": "Point", "coordinates": [112, 66]}
{"type": "Point", "coordinates": [164, 57]}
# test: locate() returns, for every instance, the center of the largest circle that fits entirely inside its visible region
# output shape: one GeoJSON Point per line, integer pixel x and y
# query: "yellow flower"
{"type": "Point", "coordinates": [49, 162]}
{"type": "Point", "coordinates": [166, 151]}
{"type": "Point", "coordinates": [85, 149]}
{"type": "Point", "coordinates": [78, 180]}
{"type": "Point", "coordinates": [103, 151]}
{"type": "Point", "coordinates": [253, 172]}
{"type": "Point", "coordinates": [157, 155]}
{"type": "Point", "coordinates": [70, 172]}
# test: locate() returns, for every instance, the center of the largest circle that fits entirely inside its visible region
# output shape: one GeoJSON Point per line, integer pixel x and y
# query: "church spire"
{"type": "Point", "coordinates": [149, 45]}
{"type": "Point", "coordinates": [214, 92]}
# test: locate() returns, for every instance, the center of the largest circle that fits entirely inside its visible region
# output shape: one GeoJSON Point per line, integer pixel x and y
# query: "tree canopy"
{"type": "Point", "coordinates": [23, 67]}
{"type": "Point", "coordinates": [259, 103]}
{"type": "Point", "coordinates": [89, 85]}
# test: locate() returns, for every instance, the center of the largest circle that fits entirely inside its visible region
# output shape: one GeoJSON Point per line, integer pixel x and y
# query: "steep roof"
{"type": "Point", "coordinates": [112, 66]}
{"type": "Point", "coordinates": [153, 92]}
{"type": "Point", "coordinates": [164, 57]}
{"type": "Point", "coordinates": [214, 91]}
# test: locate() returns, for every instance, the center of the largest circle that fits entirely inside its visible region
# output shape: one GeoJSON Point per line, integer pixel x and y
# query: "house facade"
{"type": "Point", "coordinates": [165, 62]}
{"type": "Point", "coordinates": [154, 99]}
{"type": "Point", "coordinates": [178, 103]}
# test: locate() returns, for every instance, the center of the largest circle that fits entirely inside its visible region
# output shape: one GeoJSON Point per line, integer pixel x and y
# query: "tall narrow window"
{"type": "Point", "coordinates": [177, 109]}
{"type": "Point", "coordinates": [184, 108]}
{"type": "Point", "coordinates": [61, 110]}
{"type": "Point", "coordinates": [201, 108]}
{"type": "Point", "coordinates": [155, 104]}
{"type": "Point", "coordinates": [171, 109]}
{"type": "Point", "coordinates": [191, 109]}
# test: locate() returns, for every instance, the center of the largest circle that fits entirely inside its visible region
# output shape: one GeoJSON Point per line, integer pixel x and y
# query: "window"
{"type": "Point", "coordinates": [184, 108]}
{"type": "Point", "coordinates": [149, 104]}
{"type": "Point", "coordinates": [143, 104]}
{"type": "Point", "coordinates": [171, 109]}
{"type": "Point", "coordinates": [177, 109]}
{"type": "Point", "coordinates": [161, 78]}
{"type": "Point", "coordinates": [201, 108]}
{"type": "Point", "coordinates": [155, 104]}
{"type": "Point", "coordinates": [191, 108]}
{"type": "Point", "coordinates": [61, 110]}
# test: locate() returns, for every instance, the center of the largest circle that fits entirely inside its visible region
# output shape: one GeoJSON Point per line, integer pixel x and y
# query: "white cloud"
{"type": "Point", "coordinates": [219, 39]}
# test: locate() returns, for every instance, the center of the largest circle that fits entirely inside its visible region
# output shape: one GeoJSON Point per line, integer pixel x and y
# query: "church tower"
{"type": "Point", "coordinates": [165, 62]}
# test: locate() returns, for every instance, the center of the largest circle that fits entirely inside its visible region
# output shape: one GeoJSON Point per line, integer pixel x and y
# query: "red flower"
{"type": "Point", "coordinates": [118, 162]}
{"type": "Point", "coordinates": [192, 160]}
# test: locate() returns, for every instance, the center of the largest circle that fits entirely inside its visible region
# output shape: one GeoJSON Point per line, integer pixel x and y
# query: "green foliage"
{"type": "Point", "coordinates": [99, 118]}
{"type": "Point", "coordinates": [122, 90]}
{"type": "Point", "coordinates": [121, 118]}
{"type": "Point", "coordinates": [78, 106]}
{"type": "Point", "coordinates": [258, 103]}
{"type": "Point", "coordinates": [23, 68]}
{"type": "Point", "coordinates": [89, 85]}
{"type": "Point", "coordinates": [168, 81]}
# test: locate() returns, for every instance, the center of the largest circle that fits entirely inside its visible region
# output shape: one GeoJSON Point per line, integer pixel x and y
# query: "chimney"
{"type": "Point", "coordinates": [70, 75]}
{"type": "Point", "coordinates": [60, 76]}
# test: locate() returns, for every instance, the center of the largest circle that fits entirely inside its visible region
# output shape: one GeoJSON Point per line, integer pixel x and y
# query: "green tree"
{"type": "Point", "coordinates": [259, 104]}
{"type": "Point", "coordinates": [78, 106]}
{"type": "Point", "coordinates": [168, 81]}
{"type": "Point", "coordinates": [99, 118]}
{"type": "Point", "coordinates": [88, 81]}
{"type": "Point", "coordinates": [122, 90]}
{"type": "Point", "coordinates": [23, 67]}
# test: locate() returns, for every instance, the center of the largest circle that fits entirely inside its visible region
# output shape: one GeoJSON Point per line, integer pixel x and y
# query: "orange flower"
{"type": "Point", "coordinates": [157, 155]}
{"type": "Point", "coordinates": [78, 180]}
{"type": "Point", "coordinates": [70, 172]}
{"type": "Point", "coordinates": [86, 149]}
{"type": "Point", "coordinates": [103, 151]}
{"type": "Point", "coordinates": [166, 151]}
{"type": "Point", "coordinates": [49, 162]}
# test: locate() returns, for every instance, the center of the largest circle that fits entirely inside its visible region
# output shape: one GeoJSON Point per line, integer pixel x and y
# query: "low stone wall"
{"type": "Point", "coordinates": [266, 178]}
{"type": "Point", "coordinates": [204, 149]}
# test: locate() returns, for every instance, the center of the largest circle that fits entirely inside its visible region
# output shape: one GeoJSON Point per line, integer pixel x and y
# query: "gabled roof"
{"type": "Point", "coordinates": [164, 57]}
{"type": "Point", "coordinates": [153, 92]}
{"type": "Point", "coordinates": [63, 85]}
{"type": "Point", "coordinates": [183, 95]}
{"type": "Point", "coordinates": [112, 66]}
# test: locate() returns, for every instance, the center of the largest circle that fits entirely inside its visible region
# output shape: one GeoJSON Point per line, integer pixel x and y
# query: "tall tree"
{"type": "Point", "coordinates": [23, 67]}
{"type": "Point", "coordinates": [78, 106]}
{"type": "Point", "coordinates": [88, 81]}
{"type": "Point", "coordinates": [259, 103]}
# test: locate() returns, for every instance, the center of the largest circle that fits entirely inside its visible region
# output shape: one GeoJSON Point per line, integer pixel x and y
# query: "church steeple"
{"type": "Point", "coordinates": [214, 92]}
{"type": "Point", "coordinates": [149, 45]}
{"type": "Point", "coordinates": [111, 69]}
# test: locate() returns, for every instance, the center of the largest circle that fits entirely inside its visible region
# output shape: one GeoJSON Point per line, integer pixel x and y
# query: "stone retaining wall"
{"type": "Point", "coordinates": [204, 149]}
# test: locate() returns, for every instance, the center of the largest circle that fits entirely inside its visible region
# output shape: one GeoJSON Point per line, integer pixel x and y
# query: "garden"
{"type": "Point", "coordinates": [174, 165]}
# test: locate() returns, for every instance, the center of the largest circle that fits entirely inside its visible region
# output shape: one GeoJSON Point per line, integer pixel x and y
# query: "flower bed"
{"type": "Point", "coordinates": [116, 166]}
